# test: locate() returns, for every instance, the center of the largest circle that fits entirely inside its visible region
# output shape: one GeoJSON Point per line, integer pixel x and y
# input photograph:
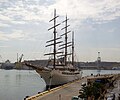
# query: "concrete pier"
{"type": "Point", "coordinates": [64, 92]}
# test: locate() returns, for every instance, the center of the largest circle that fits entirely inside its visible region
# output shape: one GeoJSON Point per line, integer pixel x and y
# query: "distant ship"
{"type": "Point", "coordinates": [116, 68]}
{"type": "Point", "coordinates": [59, 70]}
{"type": "Point", "coordinates": [7, 65]}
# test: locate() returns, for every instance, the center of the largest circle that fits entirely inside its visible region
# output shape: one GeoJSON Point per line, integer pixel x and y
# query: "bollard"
{"type": "Point", "coordinates": [39, 92]}
{"type": "Point", "coordinates": [60, 97]}
{"type": "Point", "coordinates": [26, 97]}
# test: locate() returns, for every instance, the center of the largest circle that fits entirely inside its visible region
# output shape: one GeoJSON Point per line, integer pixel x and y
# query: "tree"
{"type": "Point", "coordinates": [92, 91]}
{"type": "Point", "coordinates": [85, 92]}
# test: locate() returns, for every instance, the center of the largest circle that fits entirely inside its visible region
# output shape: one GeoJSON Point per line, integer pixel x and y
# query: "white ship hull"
{"type": "Point", "coordinates": [58, 77]}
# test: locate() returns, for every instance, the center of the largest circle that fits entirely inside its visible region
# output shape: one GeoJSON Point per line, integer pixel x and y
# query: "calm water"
{"type": "Point", "coordinates": [16, 84]}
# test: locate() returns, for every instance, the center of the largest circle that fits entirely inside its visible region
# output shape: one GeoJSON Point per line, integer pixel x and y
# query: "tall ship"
{"type": "Point", "coordinates": [59, 70]}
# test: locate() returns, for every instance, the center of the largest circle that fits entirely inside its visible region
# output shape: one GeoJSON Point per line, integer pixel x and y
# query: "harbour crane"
{"type": "Point", "coordinates": [19, 63]}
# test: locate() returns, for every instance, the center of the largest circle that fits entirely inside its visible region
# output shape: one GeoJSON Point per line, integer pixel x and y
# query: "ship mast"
{"type": "Point", "coordinates": [54, 40]}
{"type": "Point", "coordinates": [66, 44]}
{"type": "Point", "coordinates": [73, 48]}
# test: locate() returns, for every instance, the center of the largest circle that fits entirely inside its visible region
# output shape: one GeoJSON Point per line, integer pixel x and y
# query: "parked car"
{"type": "Point", "coordinates": [111, 96]}
{"type": "Point", "coordinates": [84, 84]}
{"type": "Point", "coordinates": [76, 98]}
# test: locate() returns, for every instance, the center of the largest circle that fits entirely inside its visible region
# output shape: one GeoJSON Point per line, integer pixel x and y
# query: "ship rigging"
{"type": "Point", "coordinates": [59, 71]}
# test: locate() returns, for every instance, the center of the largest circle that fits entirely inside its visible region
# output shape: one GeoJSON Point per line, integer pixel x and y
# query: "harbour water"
{"type": "Point", "coordinates": [16, 84]}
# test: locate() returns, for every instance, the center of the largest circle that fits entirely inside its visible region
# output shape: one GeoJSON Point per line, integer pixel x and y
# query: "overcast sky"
{"type": "Point", "coordinates": [24, 25]}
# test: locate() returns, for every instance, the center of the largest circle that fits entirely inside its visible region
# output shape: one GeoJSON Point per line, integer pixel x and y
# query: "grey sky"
{"type": "Point", "coordinates": [24, 24]}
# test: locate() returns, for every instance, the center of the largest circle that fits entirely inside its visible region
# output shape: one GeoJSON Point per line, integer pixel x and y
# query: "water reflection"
{"type": "Point", "coordinates": [18, 79]}
{"type": "Point", "coordinates": [17, 84]}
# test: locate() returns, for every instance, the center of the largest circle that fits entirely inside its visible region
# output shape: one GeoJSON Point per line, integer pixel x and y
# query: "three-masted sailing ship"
{"type": "Point", "coordinates": [59, 70]}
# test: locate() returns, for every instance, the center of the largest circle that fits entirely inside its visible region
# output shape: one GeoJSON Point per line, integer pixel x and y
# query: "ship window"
{"type": "Point", "coordinates": [69, 73]}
